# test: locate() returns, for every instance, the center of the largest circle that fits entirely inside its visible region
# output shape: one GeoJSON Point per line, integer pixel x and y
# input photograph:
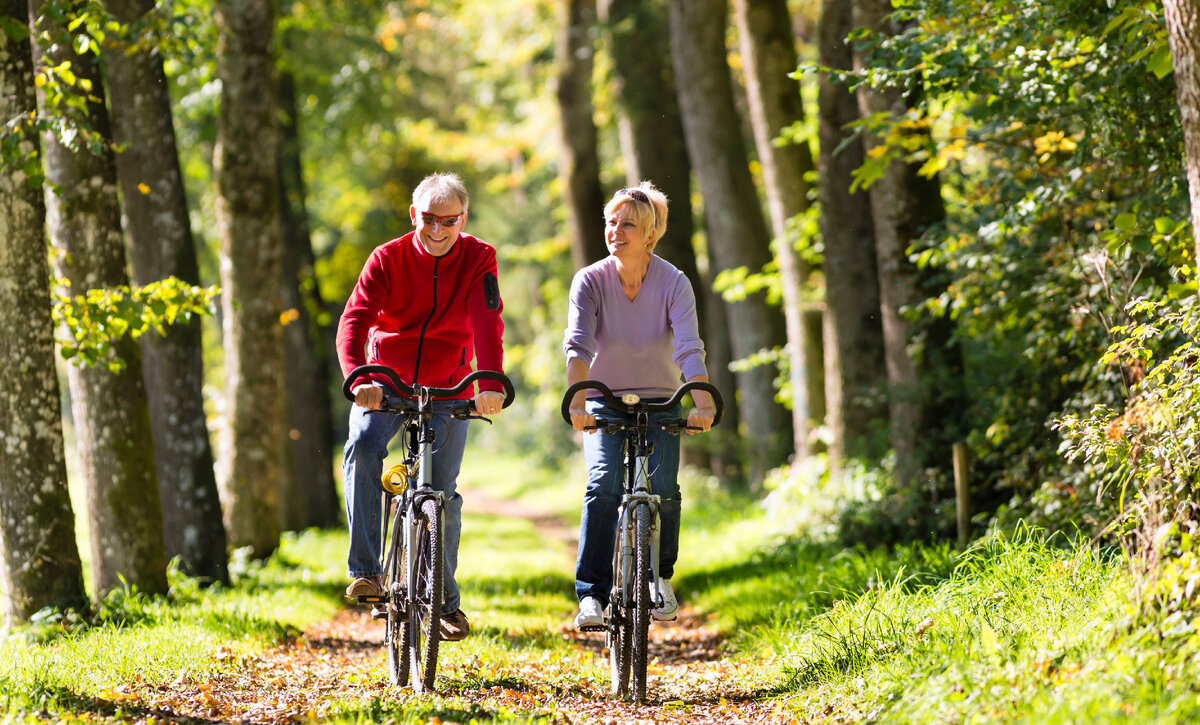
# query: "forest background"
{"type": "Point", "coordinates": [911, 225]}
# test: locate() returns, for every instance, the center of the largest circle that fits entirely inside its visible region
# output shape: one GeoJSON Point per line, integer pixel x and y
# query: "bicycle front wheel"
{"type": "Point", "coordinates": [619, 634]}
{"type": "Point", "coordinates": [395, 632]}
{"type": "Point", "coordinates": [425, 596]}
{"type": "Point", "coordinates": [641, 601]}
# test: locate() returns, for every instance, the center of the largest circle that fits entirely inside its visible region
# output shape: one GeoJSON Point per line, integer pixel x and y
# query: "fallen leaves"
{"type": "Point", "coordinates": [338, 662]}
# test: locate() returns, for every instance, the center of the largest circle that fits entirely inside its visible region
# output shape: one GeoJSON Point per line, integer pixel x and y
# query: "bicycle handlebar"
{"type": "Point", "coordinates": [616, 402]}
{"type": "Point", "coordinates": [404, 389]}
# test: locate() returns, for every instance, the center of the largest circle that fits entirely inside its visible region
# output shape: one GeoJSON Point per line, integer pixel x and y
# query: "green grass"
{"type": "Point", "coordinates": [1017, 629]}
{"type": "Point", "coordinates": [59, 664]}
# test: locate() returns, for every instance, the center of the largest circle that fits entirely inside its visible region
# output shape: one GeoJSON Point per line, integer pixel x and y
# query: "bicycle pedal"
{"type": "Point", "coordinates": [371, 599]}
{"type": "Point", "coordinates": [593, 628]}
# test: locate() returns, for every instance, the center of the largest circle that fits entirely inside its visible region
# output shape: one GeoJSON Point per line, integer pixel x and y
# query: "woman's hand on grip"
{"type": "Point", "coordinates": [701, 419]}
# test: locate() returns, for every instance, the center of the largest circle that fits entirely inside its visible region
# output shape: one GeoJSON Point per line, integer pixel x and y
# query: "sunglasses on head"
{"type": "Point", "coordinates": [450, 220]}
{"type": "Point", "coordinates": [636, 195]}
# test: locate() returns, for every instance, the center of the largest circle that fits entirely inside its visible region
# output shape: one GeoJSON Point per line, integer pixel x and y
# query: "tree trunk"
{"type": "Point", "coordinates": [246, 170]}
{"type": "Point", "coordinates": [39, 558]}
{"type": "Point", "coordinates": [653, 147]}
{"type": "Point", "coordinates": [116, 446]}
{"type": "Point", "coordinates": [161, 246]}
{"type": "Point", "coordinates": [769, 53]}
{"type": "Point", "coordinates": [580, 163]}
{"type": "Point", "coordinates": [854, 361]}
{"type": "Point", "coordinates": [1183, 34]}
{"type": "Point", "coordinates": [902, 206]}
{"type": "Point", "coordinates": [737, 232]}
{"type": "Point", "coordinates": [312, 499]}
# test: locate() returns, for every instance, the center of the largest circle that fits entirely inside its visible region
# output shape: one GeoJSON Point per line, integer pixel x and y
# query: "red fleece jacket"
{"type": "Point", "coordinates": [425, 316]}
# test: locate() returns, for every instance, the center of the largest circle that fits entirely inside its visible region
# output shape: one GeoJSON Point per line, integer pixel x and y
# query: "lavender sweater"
{"type": "Point", "coordinates": [638, 346]}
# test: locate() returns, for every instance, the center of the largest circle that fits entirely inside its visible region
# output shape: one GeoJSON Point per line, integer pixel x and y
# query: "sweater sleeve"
{"type": "Point", "coordinates": [579, 341]}
{"type": "Point", "coordinates": [484, 307]}
{"type": "Point", "coordinates": [685, 332]}
{"type": "Point", "coordinates": [361, 311]}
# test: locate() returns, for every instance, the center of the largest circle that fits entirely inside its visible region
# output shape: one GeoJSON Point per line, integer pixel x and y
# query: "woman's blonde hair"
{"type": "Point", "coordinates": [645, 205]}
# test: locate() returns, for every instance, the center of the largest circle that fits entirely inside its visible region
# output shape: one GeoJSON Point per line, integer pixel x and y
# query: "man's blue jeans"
{"type": "Point", "coordinates": [362, 469]}
{"type": "Point", "coordinates": [604, 456]}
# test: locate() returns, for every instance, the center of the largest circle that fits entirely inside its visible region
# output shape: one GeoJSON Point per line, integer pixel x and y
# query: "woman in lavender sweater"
{"type": "Point", "coordinates": [632, 326]}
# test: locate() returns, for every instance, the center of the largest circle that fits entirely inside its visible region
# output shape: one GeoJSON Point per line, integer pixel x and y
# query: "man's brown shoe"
{"type": "Point", "coordinates": [371, 586]}
{"type": "Point", "coordinates": [454, 626]}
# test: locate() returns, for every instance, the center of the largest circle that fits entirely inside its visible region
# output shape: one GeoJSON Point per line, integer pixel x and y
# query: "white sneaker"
{"type": "Point", "coordinates": [670, 606]}
{"type": "Point", "coordinates": [591, 615]}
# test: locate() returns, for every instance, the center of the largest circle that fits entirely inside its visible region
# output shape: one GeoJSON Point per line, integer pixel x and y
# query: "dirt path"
{"type": "Point", "coordinates": [690, 681]}
{"type": "Point", "coordinates": [294, 682]}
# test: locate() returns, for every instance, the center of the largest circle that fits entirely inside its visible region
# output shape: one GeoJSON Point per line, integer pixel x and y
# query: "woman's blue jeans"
{"type": "Point", "coordinates": [362, 469]}
{"type": "Point", "coordinates": [604, 456]}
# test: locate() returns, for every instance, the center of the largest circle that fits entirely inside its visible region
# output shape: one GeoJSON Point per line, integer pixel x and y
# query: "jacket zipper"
{"type": "Point", "coordinates": [421, 339]}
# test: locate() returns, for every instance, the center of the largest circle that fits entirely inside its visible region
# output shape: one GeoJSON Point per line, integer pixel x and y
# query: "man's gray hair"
{"type": "Point", "coordinates": [441, 187]}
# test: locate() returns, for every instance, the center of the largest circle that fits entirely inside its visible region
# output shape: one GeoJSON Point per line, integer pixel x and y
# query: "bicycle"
{"type": "Point", "coordinates": [635, 556]}
{"type": "Point", "coordinates": [412, 546]}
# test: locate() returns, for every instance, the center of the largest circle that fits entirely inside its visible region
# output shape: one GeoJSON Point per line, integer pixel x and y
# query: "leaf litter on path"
{"type": "Point", "coordinates": [341, 660]}
{"type": "Point", "coordinates": [689, 682]}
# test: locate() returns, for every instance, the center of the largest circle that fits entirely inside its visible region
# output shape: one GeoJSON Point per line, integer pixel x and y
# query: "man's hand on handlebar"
{"type": "Point", "coordinates": [489, 402]}
{"type": "Point", "coordinates": [371, 397]}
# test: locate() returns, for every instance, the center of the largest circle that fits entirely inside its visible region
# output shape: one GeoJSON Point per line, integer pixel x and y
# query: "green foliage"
{"type": "Point", "coordinates": [1145, 450]}
{"type": "Point", "coordinates": [95, 321]}
{"type": "Point", "coordinates": [1062, 203]}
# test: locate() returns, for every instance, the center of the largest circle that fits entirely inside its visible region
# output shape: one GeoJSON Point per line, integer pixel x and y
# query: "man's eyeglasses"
{"type": "Point", "coordinates": [636, 195]}
{"type": "Point", "coordinates": [451, 220]}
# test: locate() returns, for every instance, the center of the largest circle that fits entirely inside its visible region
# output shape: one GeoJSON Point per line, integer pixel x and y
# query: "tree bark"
{"type": "Point", "coordinates": [769, 53]}
{"type": "Point", "coordinates": [161, 246]}
{"type": "Point", "coordinates": [116, 446]}
{"type": "Point", "coordinates": [246, 170]}
{"type": "Point", "coordinates": [310, 496]}
{"type": "Point", "coordinates": [39, 557]}
{"type": "Point", "coordinates": [737, 233]}
{"type": "Point", "coordinates": [1183, 35]}
{"type": "Point", "coordinates": [902, 206]}
{"type": "Point", "coordinates": [580, 169]}
{"type": "Point", "coordinates": [653, 147]}
{"type": "Point", "coordinates": [855, 374]}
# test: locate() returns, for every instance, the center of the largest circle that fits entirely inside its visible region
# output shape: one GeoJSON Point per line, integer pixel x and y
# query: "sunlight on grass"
{"type": "Point", "coordinates": [520, 587]}
{"type": "Point", "coordinates": [1017, 628]}
{"type": "Point", "coordinates": [195, 631]}
{"type": "Point", "coordinates": [508, 475]}
{"type": "Point", "coordinates": [1020, 628]}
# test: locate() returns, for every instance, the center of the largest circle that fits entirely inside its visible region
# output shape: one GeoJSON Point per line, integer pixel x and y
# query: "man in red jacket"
{"type": "Point", "coordinates": [424, 305]}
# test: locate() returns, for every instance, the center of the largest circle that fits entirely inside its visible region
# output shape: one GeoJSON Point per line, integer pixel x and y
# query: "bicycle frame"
{"type": "Point", "coordinates": [638, 546]}
{"type": "Point", "coordinates": [637, 493]}
{"type": "Point", "coordinates": [422, 427]}
{"type": "Point", "coordinates": [413, 540]}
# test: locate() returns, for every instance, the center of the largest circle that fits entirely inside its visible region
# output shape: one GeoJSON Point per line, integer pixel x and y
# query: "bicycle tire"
{"type": "Point", "coordinates": [425, 597]}
{"type": "Point", "coordinates": [619, 634]}
{"type": "Point", "coordinates": [400, 609]}
{"type": "Point", "coordinates": [641, 601]}
{"type": "Point", "coordinates": [394, 632]}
